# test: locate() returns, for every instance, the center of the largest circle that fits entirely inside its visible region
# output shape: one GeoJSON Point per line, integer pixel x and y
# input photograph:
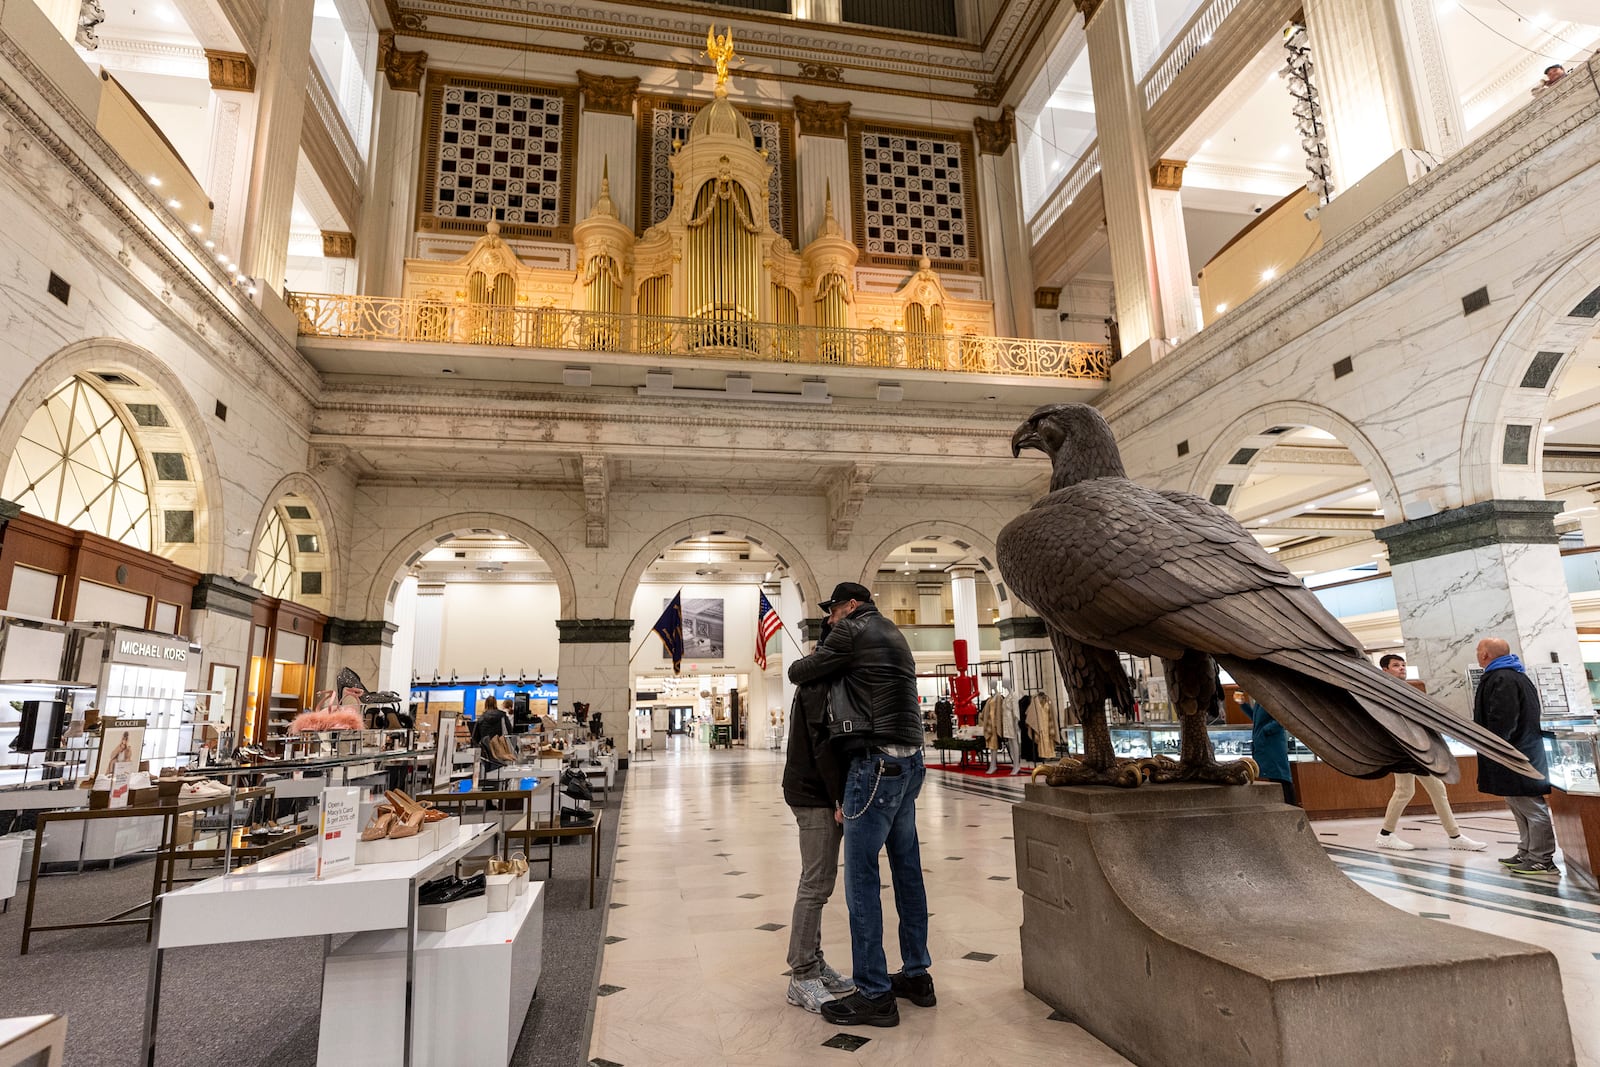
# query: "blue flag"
{"type": "Point", "coordinates": [670, 629]}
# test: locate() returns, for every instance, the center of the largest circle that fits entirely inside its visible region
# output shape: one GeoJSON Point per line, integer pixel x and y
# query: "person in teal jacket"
{"type": "Point", "coordinates": [1269, 747]}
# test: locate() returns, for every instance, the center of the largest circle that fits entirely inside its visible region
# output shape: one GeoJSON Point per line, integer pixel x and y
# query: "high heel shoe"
{"type": "Point", "coordinates": [408, 825]}
{"type": "Point", "coordinates": [382, 821]}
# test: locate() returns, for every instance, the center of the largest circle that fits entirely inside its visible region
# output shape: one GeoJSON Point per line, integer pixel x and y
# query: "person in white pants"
{"type": "Point", "coordinates": [1405, 787]}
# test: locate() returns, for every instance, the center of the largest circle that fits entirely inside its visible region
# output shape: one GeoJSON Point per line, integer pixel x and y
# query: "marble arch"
{"type": "Point", "coordinates": [303, 485]}
{"type": "Point", "coordinates": [108, 355]}
{"type": "Point", "coordinates": [700, 526]}
{"type": "Point", "coordinates": [1297, 413]}
{"type": "Point", "coordinates": [941, 530]}
{"type": "Point", "coordinates": [1510, 390]}
{"type": "Point", "coordinates": [408, 549]}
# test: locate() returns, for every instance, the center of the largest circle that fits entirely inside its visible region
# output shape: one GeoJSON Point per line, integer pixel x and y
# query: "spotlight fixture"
{"type": "Point", "coordinates": [153, 181]}
{"type": "Point", "coordinates": [194, 227]}
{"type": "Point", "coordinates": [174, 205]}
{"type": "Point", "coordinates": [1307, 111]}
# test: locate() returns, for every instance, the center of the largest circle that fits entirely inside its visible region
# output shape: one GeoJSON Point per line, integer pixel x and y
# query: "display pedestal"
{"type": "Point", "coordinates": [1186, 924]}
{"type": "Point", "coordinates": [475, 984]}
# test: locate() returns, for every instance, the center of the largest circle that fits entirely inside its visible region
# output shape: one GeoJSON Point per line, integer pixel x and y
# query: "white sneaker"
{"type": "Point", "coordinates": [808, 993]}
{"type": "Point", "coordinates": [1393, 843]}
{"type": "Point", "coordinates": [1467, 844]}
{"type": "Point", "coordinates": [835, 983]}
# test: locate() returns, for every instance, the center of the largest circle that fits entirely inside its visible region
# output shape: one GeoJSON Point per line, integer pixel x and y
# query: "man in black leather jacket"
{"type": "Point", "coordinates": [876, 723]}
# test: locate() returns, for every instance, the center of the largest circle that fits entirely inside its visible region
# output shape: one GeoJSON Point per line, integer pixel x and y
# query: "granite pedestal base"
{"type": "Point", "coordinates": [1190, 924]}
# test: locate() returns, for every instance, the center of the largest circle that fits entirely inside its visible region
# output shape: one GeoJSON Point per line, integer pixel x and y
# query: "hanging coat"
{"type": "Point", "coordinates": [993, 717]}
{"type": "Point", "coordinates": [1043, 725]}
{"type": "Point", "coordinates": [1030, 750]}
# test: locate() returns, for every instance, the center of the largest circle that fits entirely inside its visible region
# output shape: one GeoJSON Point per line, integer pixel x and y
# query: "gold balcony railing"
{"type": "Point", "coordinates": [369, 318]}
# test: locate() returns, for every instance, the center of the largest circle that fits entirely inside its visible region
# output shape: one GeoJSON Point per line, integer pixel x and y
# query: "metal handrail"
{"type": "Point", "coordinates": [1184, 48]}
{"type": "Point", "coordinates": [1060, 198]}
{"type": "Point", "coordinates": [375, 318]}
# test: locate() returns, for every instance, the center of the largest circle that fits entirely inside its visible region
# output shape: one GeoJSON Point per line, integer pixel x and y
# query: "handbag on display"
{"type": "Point", "coordinates": [575, 784]}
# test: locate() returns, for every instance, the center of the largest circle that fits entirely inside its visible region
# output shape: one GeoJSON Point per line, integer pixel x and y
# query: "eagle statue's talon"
{"type": "Point", "coordinates": [1161, 769]}
{"type": "Point", "coordinates": [1122, 773]}
{"type": "Point", "coordinates": [1234, 772]}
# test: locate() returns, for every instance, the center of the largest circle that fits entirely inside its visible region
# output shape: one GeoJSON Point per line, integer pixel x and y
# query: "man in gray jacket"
{"type": "Point", "coordinates": [875, 722]}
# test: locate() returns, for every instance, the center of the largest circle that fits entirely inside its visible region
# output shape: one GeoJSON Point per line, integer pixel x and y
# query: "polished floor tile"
{"type": "Point", "coordinates": [701, 971]}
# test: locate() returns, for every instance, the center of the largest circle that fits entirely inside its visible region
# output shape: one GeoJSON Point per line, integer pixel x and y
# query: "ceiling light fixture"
{"type": "Point", "coordinates": [154, 182]}
{"type": "Point", "coordinates": [194, 227]}
{"type": "Point", "coordinates": [1221, 308]}
{"type": "Point", "coordinates": [1269, 274]}
{"type": "Point", "coordinates": [174, 205]}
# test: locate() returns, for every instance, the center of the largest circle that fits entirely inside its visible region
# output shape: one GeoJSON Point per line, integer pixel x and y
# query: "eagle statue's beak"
{"type": "Point", "coordinates": [1025, 437]}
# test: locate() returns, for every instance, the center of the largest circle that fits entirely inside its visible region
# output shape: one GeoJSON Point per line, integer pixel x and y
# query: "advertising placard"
{"type": "Point", "coordinates": [336, 842]}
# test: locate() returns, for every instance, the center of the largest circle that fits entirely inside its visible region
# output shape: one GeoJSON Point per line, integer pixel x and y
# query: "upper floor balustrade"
{"type": "Point", "coordinates": [368, 318]}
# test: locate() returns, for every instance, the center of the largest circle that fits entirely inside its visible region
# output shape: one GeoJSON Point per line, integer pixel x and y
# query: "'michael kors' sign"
{"type": "Point", "coordinates": [148, 649]}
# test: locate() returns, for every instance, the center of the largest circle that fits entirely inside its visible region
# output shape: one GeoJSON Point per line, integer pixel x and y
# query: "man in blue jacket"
{"type": "Point", "coordinates": [1508, 704]}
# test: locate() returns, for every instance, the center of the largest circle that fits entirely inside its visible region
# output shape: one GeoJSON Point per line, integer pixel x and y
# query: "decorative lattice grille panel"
{"type": "Point", "coordinates": [665, 123]}
{"type": "Point", "coordinates": [499, 152]}
{"type": "Point", "coordinates": [915, 196]}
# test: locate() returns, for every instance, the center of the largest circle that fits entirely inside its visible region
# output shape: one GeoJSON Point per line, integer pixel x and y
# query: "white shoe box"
{"type": "Point", "coordinates": [397, 850]}
{"type": "Point", "coordinates": [502, 890]}
{"type": "Point", "coordinates": [442, 917]}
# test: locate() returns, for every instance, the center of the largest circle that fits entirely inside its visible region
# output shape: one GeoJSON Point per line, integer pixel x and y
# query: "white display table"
{"type": "Point", "coordinates": [10, 864]}
{"type": "Point", "coordinates": [281, 897]}
{"type": "Point", "coordinates": [477, 982]}
{"type": "Point", "coordinates": [33, 1041]}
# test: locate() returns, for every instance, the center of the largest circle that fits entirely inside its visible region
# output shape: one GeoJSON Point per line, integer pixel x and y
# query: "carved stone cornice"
{"type": "Point", "coordinates": [594, 631]}
{"type": "Point", "coordinates": [607, 46]}
{"type": "Point", "coordinates": [607, 93]}
{"type": "Point", "coordinates": [231, 71]}
{"type": "Point", "coordinates": [324, 458]}
{"type": "Point", "coordinates": [1021, 627]}
{"type": "Point", "coordinates": [996, 135]}
{"type": "Point", "coordinates": [820, 72]}
{"type": "Point", "coordinates": [821, 118]}
{"type": "Point", "coordinates": [1047, 298]}
{"type": "Point", "coordinates": [1167, 175]}
{"type": "Point", "coordinates": [222, 595]}
{"type": "Point", "coordinates": [847, 491]}
{"type": "Point", "coordinates": [338, 245]}
{"type": "Point", "coordinates": [351, 632]}
{"type": "Point", "coordinates": [1489, 522]}
{"type": "Point", "coordinates": [1089, 8]}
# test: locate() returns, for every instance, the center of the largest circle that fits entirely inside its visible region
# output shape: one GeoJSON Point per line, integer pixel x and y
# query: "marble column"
{"type": "Point", "coordinates": [1490, 569]}
{"type": "Point", "coordinates": [1384, 83]}
{"type": "Point", "coordinates": [219, 622]}
{"type": "Point", "coordinates": [822, 163]}
{"type": "Point", "coordinates": [402, 658]}
{"type": "Point", "coordinates": [1172, 250]}
{"type": "Point", "coordinates": [1006, 245]}
{"type": "Point", "coordinates": [610, 144]}
{"type": "Point", "coordinates": [964, 598]}
{"type": "Point", "coordinates": [388, 204]}
{"type": "Point", "coordinates": [1125, 179]}
{"type": "Point", "coordinates": [230, 151]}
{"type": "Point", "coordinates": [594, 669]}
{"type": "Point", "coordinates": [283, 67]}
{"type": "Point", "coordinates": [364, 645]}
{"type": "Point", "coordinates": [930, 604]}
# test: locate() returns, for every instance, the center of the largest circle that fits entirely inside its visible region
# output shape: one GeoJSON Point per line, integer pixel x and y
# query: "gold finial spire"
{"type": "Point", "coordinates": [720, 48]}
{"type": "Point", "coordinates": [830, 223]}
{"type": "Point", "coordinates": [603, 205]}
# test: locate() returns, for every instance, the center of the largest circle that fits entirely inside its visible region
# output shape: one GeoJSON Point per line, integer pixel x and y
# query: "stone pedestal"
{"type": "Point", "coordinates": [1196, 924]}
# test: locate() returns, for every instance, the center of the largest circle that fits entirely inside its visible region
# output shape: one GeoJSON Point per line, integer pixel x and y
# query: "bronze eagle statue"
{"type": "Point", "coordinates": [1111, 565]}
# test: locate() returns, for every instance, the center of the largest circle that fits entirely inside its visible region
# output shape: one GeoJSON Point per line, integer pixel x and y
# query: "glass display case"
{"type": "Point", "coordinates": [1574, 761]}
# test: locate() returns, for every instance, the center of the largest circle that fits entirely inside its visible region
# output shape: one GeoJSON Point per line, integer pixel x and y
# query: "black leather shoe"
{"type": "Point", "coordinates": [860, 1010]}
{"type": "Point", "coordinates": [916, 988]}
{"type": "Point", "coordinates": [449, 889]}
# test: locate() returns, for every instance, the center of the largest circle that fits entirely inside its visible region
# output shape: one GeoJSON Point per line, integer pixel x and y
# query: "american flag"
{"type": "Point", "coordinates": [767, 624]}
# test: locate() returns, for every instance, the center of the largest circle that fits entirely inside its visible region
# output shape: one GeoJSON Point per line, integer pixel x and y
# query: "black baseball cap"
{"type": "Point", "coordinates": [847, 591]}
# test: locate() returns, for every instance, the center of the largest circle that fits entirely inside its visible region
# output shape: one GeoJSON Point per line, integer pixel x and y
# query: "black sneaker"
{"type": "Point", "coordinates": [916, 988]}
{"type": "Point", "coordinates": [1536, 869]}
{"type": "Point", "coordinates": [860, 1010]}
{"type": "Point", "coordinates": [1513, 861]}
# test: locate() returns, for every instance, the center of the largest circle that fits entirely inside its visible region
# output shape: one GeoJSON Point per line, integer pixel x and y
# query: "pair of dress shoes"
{"type": "Point", "coordinates": [449, 889]}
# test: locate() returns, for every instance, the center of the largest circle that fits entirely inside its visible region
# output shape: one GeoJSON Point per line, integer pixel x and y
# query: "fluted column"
{"type": "Point", "coordinates": [609, 142]}
{"type": "Point", "coordinates": [1125, 176]}
{"type": "Point", "coordinates": [964, 598]}
{"type": "Point", "coordinates": [428, 630]}
{"type": "Point", "coordinates": [283, 64]}
{"type": "Point", "coordinates": [1006, 245]}
{"type": "Point", "coordinates": [389, 200]}
{"type": "Point", "coordinates": [229, 161]}
{"type": "Point", "coordinates": [823, 162]}
{"type": "Point", "coordinates": [1171, 240]}
{"type": "Point", "coordinates": [1385, 85]}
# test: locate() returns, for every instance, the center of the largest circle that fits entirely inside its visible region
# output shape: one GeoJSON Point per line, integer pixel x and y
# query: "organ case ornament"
{"type": "Point", "coordinates": [821, 118]}
{"type": "Point", "coordinates": [608, 94]}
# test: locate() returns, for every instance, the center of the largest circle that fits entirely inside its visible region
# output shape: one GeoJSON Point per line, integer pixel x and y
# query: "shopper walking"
{"type": "Point", "coordinates": [875, 724]}
{"type": "Point", "coordinates": [1405, 787]}
{"type": "Point", "coordinates": [1269, 746]}
{"type": "Point", "coordinates": [813, 787]}
{"type": "Point", "coordinates": [1508, 704]}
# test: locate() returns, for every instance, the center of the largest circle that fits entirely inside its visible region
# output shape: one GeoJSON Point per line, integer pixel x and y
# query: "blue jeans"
{"type": "Point", "coordinates": [887, 804]}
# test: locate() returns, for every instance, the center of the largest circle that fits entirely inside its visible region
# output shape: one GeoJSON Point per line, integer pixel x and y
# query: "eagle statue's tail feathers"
{"type": "Point", "coordinates": [1335, 725]}
{"type": "Point", "coordinates": [1407, 720]}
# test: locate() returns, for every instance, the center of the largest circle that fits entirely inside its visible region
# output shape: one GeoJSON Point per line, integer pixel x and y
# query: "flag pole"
{"type": "Point", "coordinates": [649, 635]}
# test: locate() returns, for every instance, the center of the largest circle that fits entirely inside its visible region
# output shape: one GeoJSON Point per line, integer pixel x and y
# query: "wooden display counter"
{"type": "Point", "coordinates": [1577, 822]}
{"type": "Point", "coordinates": [1325, 793]}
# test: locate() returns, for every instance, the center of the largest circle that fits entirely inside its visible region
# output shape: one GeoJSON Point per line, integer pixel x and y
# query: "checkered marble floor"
{"type": "Point", "coordinates": [693, 969]}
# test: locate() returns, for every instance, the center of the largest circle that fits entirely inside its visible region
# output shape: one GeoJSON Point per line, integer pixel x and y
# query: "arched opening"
{"type": "Point", "coordinates": [474, 599]}
{"type": "Point", "coordinates": [292, 557]}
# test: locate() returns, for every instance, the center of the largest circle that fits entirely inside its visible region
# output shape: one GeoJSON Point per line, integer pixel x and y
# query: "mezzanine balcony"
{"type": "Point", "coordinates": [363, 335]}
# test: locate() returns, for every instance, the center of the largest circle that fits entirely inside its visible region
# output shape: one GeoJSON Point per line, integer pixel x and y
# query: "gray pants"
{"type": "Point", "coordinates": [1536, 837]}
{"type": "Point", "coordinates": [819, 870]}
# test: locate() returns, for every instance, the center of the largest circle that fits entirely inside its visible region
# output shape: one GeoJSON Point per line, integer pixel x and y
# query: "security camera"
{"type": "Point", "coordinates": [1063, 317]}
{"type": "Point", "coordinates": [1257, 208]}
